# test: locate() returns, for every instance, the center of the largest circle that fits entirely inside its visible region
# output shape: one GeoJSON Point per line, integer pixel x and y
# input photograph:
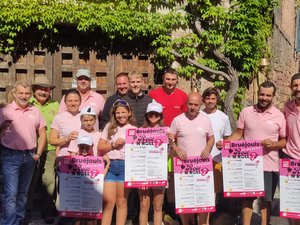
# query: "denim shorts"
{"type": "Point", "coordinates": [116, 172]}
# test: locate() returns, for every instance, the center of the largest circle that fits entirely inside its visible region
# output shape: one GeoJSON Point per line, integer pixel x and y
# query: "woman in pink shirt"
{"type": "Point", "coordinates": [65, 125]}
{"type": "Point", "coordinates": [112, 143]}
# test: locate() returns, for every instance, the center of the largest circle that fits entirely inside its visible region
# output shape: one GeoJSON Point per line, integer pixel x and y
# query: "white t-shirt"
{"type": "Point", "coordinates": [221, 126]}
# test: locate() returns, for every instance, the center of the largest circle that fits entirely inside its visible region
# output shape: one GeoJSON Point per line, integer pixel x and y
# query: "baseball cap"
{"type": "Point", "coordinates": [154, 107]}
{"type": "Point", "coordinates": [83, 72]}
{"type": "Point", "coordinates": [88, 110]}
{"type": "Point", "coordinates": [85, 139]}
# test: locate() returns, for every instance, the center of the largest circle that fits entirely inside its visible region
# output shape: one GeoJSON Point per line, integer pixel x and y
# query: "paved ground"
{"type": "Point", "coordinates": [275, 219]}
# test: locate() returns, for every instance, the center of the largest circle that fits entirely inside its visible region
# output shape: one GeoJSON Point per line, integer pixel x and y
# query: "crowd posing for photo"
{"type": "Point", "coordinates": [37, 132]}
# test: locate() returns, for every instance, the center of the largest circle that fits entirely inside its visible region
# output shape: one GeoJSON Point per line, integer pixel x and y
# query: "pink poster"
{"type": "Point", "coordinates": [243, 168]}
{"type": "Point", "coordinates": [194, 185]}
{"type": "Point", "coordinates": [81, 186]}
{"type": "Point", "coordinates": [146, 155]}
{"type": "Point", "coordinates": [289, 188]}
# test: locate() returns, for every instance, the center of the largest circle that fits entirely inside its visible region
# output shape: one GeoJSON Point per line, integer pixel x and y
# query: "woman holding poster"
{"type": "Point", "coordinates": [112, 143]}
{"type": "Point", "coordinates": [154, 118]}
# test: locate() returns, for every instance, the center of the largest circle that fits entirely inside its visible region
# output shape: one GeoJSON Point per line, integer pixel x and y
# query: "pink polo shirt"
{"type": "Point", "coordinates": [192, 135]}
{"type": "Point", "coordinates": [22, 133]}
{"type": "Point", "coordinates": [65, 123]}
{"type": "Point", "coordinates": [258, 125]}
{"type": "Point", "coordinates": [73, 146]}
{"type": "Point", "coordinates": [121, 133]}
{"type": "Point", "coordinates": [292, 117]}
{"type": "Point", "coordinates": [94, 100]}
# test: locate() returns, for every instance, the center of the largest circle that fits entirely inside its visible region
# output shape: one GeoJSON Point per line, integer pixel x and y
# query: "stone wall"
{"type": "Point", "coordinates": [284, 61]}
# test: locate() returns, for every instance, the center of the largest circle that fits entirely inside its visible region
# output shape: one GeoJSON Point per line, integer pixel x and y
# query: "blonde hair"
{"type": "Point", "coordinates": [135, 74]}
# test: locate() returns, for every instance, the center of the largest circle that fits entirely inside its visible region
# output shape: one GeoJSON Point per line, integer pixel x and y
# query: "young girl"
{"type": "Point", "coordinates": [112, 143]}
{"type": "Point", "coordinates": [154, 118]}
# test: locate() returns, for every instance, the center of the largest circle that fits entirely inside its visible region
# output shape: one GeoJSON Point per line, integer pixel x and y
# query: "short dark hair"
{"type": "Point", "coordinates": [295, 77]}
{"type": "Point", "coordinates": [209, 91]}
{"type": "Point", "coordinates": [122, 74]}
{"type": "Point", "coordinates": [268, 84]}
{"type": "Point", "coordinates": [170, 70]}
{"type": "Point", "coordinates": [72, 91]}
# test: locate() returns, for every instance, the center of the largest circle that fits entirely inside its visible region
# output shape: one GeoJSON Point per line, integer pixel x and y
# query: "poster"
{"type": "Point", "coordinates": [194, 185]}
{"type": "Point", "coordinates": [289, 188]}
{"type": "Point", "coordinates": [243, 168]}
{"type": "Point", "coordinates": [81, 186]}
{"type": "Point", "coordinates": [146, 155]}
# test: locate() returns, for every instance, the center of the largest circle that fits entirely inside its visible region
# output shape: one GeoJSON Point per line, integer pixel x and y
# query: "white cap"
{"type": "Point", "coordinates": [83, 72]}
{"type": "Point", "coordinates": [88, 110]}
{"type": "Point", "coordinates": [154, 107]}
{"type": "Point", "coordinates": [85, 139]}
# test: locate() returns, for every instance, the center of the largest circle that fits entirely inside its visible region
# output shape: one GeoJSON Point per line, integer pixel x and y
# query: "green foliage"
{"type": "Point", "coordinates": [126, 19]}
{"type": "Point", "coordinates": [239, 30]}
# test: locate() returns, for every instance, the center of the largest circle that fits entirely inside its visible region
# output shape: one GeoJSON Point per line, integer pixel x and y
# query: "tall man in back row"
{"type": "Point", "coordinates": [262, 122]}
{"type": "Point", "coordinates": [173, 101]}
{"type": "Point", "coordinates": [171, 98]}
{"type": "Point", "coordinates": [122, 84]}
{"type": "Point", "coordinates": [88, 97]}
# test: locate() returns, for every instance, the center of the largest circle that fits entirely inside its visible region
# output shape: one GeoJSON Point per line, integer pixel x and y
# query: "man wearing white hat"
{"type": "Point", "coordinates": [48, 107]}
{"type": "Point", "coordinates": [88, 97]}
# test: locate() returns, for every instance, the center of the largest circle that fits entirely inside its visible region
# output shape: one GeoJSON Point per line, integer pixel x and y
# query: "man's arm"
{"type": "Point", "coordinates": [42, 140]}
{"type": "Point", "coordinates": [210, 143]}
{"type": "Point", "coordinates": [274, 145]}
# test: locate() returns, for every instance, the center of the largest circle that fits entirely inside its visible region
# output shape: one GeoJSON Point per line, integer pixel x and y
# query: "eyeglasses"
{"type": "Point", "coordinates": [156, 114]}
{"type": "Point", "coordinates": [121, 102]}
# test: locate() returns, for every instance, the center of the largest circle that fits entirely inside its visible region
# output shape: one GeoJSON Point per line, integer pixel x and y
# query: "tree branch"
{"type": "Point", "coordinates": [205, 68]}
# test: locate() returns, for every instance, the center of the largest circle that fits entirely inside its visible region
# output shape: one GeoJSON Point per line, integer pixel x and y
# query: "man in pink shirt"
{"type": "Point", "coordinates": [292, 116]}
{"type": "Point", "coordinates": [20, 125]}
{"type": "Point", "coordinates": [266, 123]}
{"type": "Point", "coordinates": [88, 97]}
{"type": "Point", "coordinates": [194, 136]}
{"type": "Point", "coordinates": [291, 112]}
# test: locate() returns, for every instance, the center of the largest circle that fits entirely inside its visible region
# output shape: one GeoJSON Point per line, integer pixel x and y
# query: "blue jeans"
{"type": "Point", "coordinates": [116, 172]}
{"type": "Point", "coordinates": [17, 168]}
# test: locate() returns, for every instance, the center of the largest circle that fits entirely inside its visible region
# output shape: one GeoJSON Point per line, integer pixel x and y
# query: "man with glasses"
{"type": "Point", "coordinates": [88, 97]}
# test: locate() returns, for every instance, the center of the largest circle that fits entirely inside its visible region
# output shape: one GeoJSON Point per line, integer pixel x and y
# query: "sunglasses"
{"type": "Point", "coordinates": [121, 102]}
{"type": "Point", "coordinates": [156, 114]}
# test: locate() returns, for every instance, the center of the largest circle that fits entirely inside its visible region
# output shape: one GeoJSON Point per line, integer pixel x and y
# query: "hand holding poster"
{"type": "Point", "coordinates": [242, 169]}
{"type": "Point", "coordinates": [289, 188]}
{"type": "Point", "coordinates": [146, 155]}
{"type": "Point", "coordinates": [81, 186]}
{"type": "Point", "coordinates": [194, 185]}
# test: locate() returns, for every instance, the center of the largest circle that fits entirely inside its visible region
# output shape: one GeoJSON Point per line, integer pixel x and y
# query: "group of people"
{"type": "Point", "coordinates": [36, 132]}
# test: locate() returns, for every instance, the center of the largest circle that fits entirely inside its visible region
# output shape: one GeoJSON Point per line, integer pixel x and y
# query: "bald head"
{"type": "Point", "coordinates": [193, 105]}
